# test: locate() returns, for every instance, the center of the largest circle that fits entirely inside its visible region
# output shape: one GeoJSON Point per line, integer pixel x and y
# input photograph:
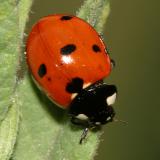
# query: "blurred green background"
{"type": "Point", "coordinates": [132, 34]}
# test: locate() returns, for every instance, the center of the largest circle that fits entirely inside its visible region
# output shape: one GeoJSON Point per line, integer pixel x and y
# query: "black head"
{"type": "Point", "coordinates": [92, 105]}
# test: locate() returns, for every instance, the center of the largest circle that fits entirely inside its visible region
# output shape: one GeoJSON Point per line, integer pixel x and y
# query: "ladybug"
{"type": "Point", "coordinates": [68, 60]}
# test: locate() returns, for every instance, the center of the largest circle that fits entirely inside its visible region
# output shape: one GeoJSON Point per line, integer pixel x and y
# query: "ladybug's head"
{"type": "Point", "coordinates": [93, 105]}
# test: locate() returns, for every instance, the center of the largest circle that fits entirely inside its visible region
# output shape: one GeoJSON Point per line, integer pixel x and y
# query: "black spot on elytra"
{"type": "Point", "coordinates": [75, 85]}
{"type": "Point", "coordinates": [64, 18]}
{"type": "Point", "coordinates": [49, 79]}
{"type": "Point", "coordinates": [96, 48]}
{"type": "Point", "coordinates": [68, 49]}
{"type": "Point", "coordinates": [42, 70]}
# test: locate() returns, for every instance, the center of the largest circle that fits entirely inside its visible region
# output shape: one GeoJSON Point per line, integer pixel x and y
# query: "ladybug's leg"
{"type": "Point", "coordinates": [75, 121]}
{"type": "Point", "coordinates": [113, 63]}
{"type": "Point", "coordinates": [83, 136]}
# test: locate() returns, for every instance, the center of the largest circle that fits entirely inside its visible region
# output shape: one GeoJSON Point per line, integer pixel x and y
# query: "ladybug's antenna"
{"type": "Point", "coordinates": [119, 120]}
{"type": "Point", "coordinates": [83, 136]}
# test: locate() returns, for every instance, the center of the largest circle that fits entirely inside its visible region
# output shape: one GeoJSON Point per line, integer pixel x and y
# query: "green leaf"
{"type": "Point", "coordinates": [45, 130]}
{"type": "Point", "coordinates": [24, 9]}
{"type": "Point", "coordinates": [13, 16]}
{"type": "Point", "coordinates": [10, 43]}
{"type": "Point", "coordinates": [95, 12]}
{"type": "Point", "coordinates": [9, 37]}
{"type": "Point", "coordinates": [8, 130]}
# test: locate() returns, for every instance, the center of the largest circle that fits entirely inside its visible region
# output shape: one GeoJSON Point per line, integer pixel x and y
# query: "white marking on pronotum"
{"type": "Point", "coordinates": [111, 99]}
{"type": "Point", "coordinates": [73, 95]}
{"type": "Point", "coordinates": [82, 117]}
{"type": "Point", "coordinates": [86, 85]}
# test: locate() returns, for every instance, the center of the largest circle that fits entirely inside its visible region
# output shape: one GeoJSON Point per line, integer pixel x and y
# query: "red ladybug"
{"type": "Point", "coordinates": [68, 60]}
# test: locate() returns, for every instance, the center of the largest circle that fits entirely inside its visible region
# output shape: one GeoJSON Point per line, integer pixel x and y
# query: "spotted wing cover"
{"type": "Point", "coordinates": [61, 49]}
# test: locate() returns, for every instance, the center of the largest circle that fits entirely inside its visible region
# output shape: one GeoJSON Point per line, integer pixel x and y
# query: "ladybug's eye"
{"type": "Point", "coordinates": [96, 48]}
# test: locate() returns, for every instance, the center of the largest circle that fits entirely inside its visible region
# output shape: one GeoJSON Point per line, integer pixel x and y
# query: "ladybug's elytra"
{"type": "Point", "coordinates": [68, 60]}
